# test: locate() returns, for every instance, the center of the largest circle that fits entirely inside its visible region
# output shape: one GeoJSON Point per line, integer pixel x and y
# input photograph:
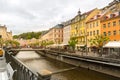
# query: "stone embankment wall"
{"type": "Point", "coordinates": [106, 66]}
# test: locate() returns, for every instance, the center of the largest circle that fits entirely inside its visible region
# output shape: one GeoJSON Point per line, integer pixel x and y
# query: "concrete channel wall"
{"type": "Point", "coordinates": [106, 66]}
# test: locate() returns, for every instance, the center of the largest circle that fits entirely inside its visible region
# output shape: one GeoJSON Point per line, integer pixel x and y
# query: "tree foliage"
{"type": "Point", "coordinates": [72, 42]}
{"type": "Point", "coordinates": [29, 35]}
{"type": "Point", "coordinates": [99, 41]}
{"type": "Point", "coordinates": [12, 43]}
{"type": "Point", "coordinates": [1, 42]}
{"type": "Point", "coordinates": [34, 44]}
{"type": "Point", "coordinates": [45, 43]}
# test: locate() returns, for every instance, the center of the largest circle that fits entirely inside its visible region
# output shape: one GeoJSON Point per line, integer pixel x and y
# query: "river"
{"type": "Point", "coordinates": [38, 63]}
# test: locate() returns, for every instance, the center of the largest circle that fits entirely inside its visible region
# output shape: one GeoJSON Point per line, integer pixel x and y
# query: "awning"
{"type": "Point", "coordinates": [54, 45]}
{"type": "Point", "coordinates": [80, 45]}
{"type": "Point", "coordinates": [112, 44]}
{"type": "Point", "coordinates": [62, 44]}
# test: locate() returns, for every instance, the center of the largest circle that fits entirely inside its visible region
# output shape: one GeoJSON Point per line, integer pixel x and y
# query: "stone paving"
{"type": "Point", "coordinates": [3, 69]}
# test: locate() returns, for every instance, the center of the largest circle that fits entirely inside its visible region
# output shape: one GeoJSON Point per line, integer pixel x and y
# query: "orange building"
{"type": "Point", "coordinates": [93, 28]}
{"type": "Point", "coordinates": [110, 26]}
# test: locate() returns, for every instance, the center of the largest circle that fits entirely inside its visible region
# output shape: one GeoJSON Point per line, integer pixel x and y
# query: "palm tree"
{"type": "Point", "coordinates": [72, 43]}
{"type": "Point", "coordinates": [99, 41]}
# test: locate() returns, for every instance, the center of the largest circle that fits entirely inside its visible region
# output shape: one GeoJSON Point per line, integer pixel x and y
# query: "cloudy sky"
{"type": "Point", "coordinates": [36, 15]}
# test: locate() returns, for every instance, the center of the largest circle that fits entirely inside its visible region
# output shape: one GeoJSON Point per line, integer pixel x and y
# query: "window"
{"type": "Point", "coordinates": [97, 32]}
{"type": "Point", "coordinates": [93, 32]}
{"type": "Point", "coordinates": [114, 23]}
{"type": "Point", "coordinates": [104, 34]}
{"type": "Point", "coordinates": [104, 25]}
{"type": "Point", "coordinates": [111, 15]}
{"type": "Point", "coordinates": [0, 36]}
{"type": "Point", "coordinates": [119, 22]}
{"type": "Point", "coordinates": [81, 32]}
{"type": "Point", "coordinates": [93, 24]}
{"type": "Point", "coordinates": [88, 39]}
{"type": "Point", "coordinates": [114, 33]}
{"type": "Point", "coordinates": [90, 25]}
{"type": "Point", "coordinates": [59, 31]}
{"type": "Point", "coordinates": [90, 33]}
{"type": "Point", "coordinates": [97, 23]}
{"type": "Point", "coordinates": [54, 30]}
{"type": "Point", "coordinates": [109, 33]}
{"type": "Point", "coordinates": [108, 24]}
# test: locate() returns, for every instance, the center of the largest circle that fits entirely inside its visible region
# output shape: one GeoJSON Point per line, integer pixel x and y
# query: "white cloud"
{"type": "Point", "coordinates": [36, 15]}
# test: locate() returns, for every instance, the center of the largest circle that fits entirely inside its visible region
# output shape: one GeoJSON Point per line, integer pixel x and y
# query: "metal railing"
{"type": "Point", "coordinates": [22, 72]}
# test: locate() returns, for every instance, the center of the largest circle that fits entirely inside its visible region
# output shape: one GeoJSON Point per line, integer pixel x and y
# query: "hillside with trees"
{"type": "Point", "coordinates": [29, 35]}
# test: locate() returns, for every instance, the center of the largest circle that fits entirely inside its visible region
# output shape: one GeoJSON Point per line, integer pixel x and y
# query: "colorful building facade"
{"type": "Point", "coordinates": [54, 34]}
{"type": "Point", "coordinates": [93, 28]}
{"type": "Point", "coordinates": [66, 32]}
{"type": "Point", "coordinates": [4, 34]}
{"type": "Point", "coordinates": [94, 25]}
{"type": "Point", "coordinates": [78, 26]}
{"type": "Point", "coordinates": [111, 26]}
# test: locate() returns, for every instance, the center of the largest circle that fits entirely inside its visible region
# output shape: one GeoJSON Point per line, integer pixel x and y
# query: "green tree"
{"type": "Point", "coordinates": [29, 35]}
{"type": "Point", "coordinates": [1, 42]}
{"type": "Point", "coordinates": [50, 42]}
{"type": "Point", "coordinates": [72, 43]}
{"type": "Point", "coordinates": [12, 43]}
{"type": "Point", "coordinates": [43, 43]}
{"type": "Point", "coordinates": [99, 41]}
{"type": "Point", "coordinates": [36, 44]}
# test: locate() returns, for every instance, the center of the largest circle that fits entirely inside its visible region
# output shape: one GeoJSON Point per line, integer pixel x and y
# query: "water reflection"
{"type": "Point", "coordinates": [38, 63]}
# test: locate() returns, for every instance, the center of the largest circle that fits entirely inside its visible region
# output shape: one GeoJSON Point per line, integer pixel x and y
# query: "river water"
{"type": "Point", "coordinates": [38, 63]}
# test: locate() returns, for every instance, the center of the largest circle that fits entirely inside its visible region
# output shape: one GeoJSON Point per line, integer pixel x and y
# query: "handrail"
{"type": "Point", "coordinates": [22, 71]}
{"type": "Point", "coordinates": [25, 66]}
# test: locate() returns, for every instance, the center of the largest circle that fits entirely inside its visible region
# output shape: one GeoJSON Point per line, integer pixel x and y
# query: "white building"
{"type": "Point", "coordinates": [66, 32]}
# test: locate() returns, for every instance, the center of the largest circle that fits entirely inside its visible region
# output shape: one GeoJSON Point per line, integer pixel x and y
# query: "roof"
{"type": "Point", "coordinates": [58, 26]}
{"type": "Point", "coordinates": [86, 13]}
{"type": "Point", "coordinates": [112, 44]}
{"type": "Point", "coordinates": [111, 16]}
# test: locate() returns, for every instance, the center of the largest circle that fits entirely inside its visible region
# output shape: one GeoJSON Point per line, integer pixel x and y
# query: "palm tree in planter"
{"type": "Point", "coordinates": [98, 41]}
{"type": "Point", "coordinates": [72, 43]}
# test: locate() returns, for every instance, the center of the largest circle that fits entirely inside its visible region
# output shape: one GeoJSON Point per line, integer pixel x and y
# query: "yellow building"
{"type": "Point", "coordinates": [78, 25]}
{"type": "Point", "coordinates": [4, 34]}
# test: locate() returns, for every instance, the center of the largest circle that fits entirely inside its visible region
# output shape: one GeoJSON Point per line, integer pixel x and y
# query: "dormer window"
{"type": "Point", "coordinates": [112, 15]}
{"type": "Point", "coordinates": [98, 16]}
{"type": "Point", "coordinates": [91, 18]}
{"type": "Point", "coordinates": [106, 17]}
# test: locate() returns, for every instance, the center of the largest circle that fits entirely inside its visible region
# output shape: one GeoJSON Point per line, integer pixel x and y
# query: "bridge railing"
{"type": "Point", "coordinates": [22, 72]}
